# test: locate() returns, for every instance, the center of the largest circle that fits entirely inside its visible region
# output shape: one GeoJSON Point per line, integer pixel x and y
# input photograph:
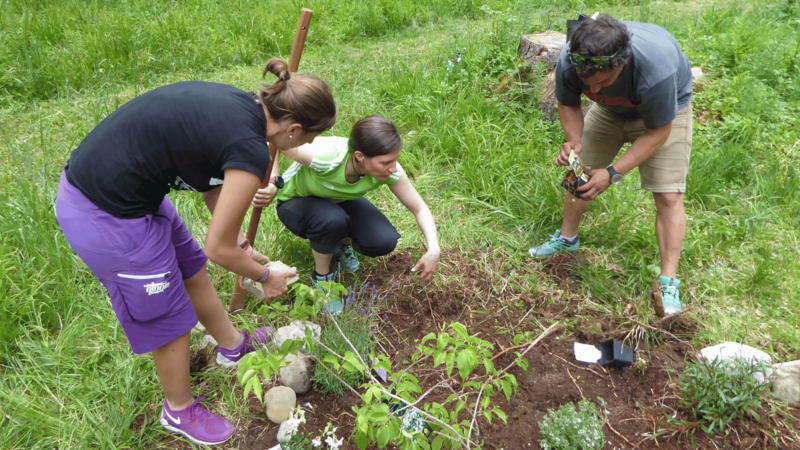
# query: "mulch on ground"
{"type": "Point", "coordinates": [478, 294]}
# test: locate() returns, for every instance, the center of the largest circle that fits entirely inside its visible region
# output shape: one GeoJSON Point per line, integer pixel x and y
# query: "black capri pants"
{"type": "Point", "coordinates": [326, 225]}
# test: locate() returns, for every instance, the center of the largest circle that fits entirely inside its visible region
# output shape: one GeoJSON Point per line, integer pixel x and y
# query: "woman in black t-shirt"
{"type": "Point", "coordinates": [113, 210]}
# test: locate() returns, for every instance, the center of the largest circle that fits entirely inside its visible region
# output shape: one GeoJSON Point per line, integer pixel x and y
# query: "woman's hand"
{"type": "Point", "coordinates": [256, 256]}
{"type": "Point", "coordinates": [275, 285]}
{"type": "Point", "coordinates": [265, 196]}
{"type": "Point", "coordinates": [426, 265]}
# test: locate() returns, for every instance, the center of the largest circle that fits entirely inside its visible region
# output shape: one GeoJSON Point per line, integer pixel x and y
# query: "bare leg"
{"type": "Point", "coordinates": [209, 310]}
{"type": "Point", "coordinates": [670, 230]}
{"type": "Point", "coordinates": [573, 211]}
{"type": "Point", "coordinates": [172, 366]}
{"type": "Point", "coordinates": [322, 262]}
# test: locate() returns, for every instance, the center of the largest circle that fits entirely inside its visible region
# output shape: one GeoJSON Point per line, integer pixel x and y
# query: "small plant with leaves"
{"type": "Point", "coordinates": [432, 425]}
{"type": "Point", "coordinates": [256, 366]}
{"type": "Point", "coordinates": [718, 392]}
{"type": "Point", "coordinates": [572, 427]}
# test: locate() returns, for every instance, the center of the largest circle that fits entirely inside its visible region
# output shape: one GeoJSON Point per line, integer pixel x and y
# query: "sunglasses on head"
{"type": "Point", "coordinates": [598, 62]}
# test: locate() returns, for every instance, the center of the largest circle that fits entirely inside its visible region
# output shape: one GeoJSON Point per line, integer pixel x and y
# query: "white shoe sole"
{"type": "Point", "coordinates": [225, 362]}
{"type": "Point", "coordinates": [172, 429]}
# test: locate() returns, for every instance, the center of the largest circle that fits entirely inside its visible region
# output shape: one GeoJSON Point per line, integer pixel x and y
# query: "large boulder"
{"type": "Point", "coordinates": [787, 383]}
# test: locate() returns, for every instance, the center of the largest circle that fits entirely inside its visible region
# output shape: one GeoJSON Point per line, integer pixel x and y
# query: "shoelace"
{"type": "Point", "coordinates": [348, 251]}
{"type": "Point", "coordinates": [672, 290]}
{"type": "Point", "coordinates": [193, 414]}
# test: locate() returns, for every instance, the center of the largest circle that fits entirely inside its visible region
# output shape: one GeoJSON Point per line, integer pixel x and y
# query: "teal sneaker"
{"type": "Point", "coordinates": [334, 307]}
{"type": "Point", "coordinates": [553, 246]}
{"type": "Point", "coordinates": [346, 258]}
{"type": "Point", "coordinates": [670, 296]}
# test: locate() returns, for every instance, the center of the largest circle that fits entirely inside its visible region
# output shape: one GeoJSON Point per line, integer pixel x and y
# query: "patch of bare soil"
{"type": "Point", "coordinates": [477, 293]}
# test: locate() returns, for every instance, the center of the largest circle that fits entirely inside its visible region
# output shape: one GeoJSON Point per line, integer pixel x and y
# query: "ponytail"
{"type": "Point", "coordinates": [301, 98]}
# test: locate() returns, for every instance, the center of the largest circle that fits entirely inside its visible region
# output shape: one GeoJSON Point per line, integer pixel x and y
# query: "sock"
{"type": "Point", "coordinates": [569, 240]}
{"type": "Point", "coordinates": [316, 274]}
{"type": "Point", "coordinates": [241, 341]}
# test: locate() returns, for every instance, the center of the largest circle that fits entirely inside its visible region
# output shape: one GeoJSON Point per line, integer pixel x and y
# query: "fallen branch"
{"type": "Point", "coordinates": [544, 334]}
{"type": "Point", "coordinates": [621, 436]}
{"type": "Point", "coordinates": [576, 384]}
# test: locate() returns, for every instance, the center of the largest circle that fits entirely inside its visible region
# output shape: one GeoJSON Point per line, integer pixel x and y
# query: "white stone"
{"type": "Point", "coordinates": [285, 432]}
{"type": "Point", "coordinates": [787, 383]}
{"type": "Point", "coordinates": [296, 330]}
{"type": "Point", "coordinates": [697, 73]}
{"type": "Point", "coordinates": [280, 401]}
{"type": "Point", "coordinates": [297, 375]}
{"type": "Point", "coordinates": [729, 352]}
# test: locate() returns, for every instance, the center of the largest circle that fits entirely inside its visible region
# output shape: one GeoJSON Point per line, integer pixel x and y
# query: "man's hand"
{"type": "Point", "coordinates": [426, 265]}
{"type": "Point", "coordinates": [598, 183]}
{"type": "Point", "coordinates": [275, 285]}
{"type": "Point", "coordinates": [563, 157]}
{"type": "Point", "coordinates": [265, 196]}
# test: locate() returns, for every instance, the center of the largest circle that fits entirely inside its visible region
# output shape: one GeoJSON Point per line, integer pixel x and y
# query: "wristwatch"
{"type": "Point", "coordinates": [277, 181]}
{"type": "Point", "coordinates": [616, 178]}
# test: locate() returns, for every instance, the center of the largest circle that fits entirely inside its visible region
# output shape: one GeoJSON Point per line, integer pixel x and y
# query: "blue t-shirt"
{"type": "Point", "coordinates": [654, 84]}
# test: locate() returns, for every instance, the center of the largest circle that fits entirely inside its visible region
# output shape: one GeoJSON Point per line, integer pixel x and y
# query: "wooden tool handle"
{"type": "Point", "coordinates": [239, 293]}
{"type": "Point", "coordinates": [300, 39]}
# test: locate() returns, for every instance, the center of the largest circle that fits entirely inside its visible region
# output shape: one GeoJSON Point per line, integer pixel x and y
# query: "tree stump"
{"type": "Point", "coordinates": [544, 48]}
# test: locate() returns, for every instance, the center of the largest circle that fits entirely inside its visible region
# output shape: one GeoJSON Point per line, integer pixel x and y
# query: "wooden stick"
{"type": "Point", "coordinates": [239, 293]}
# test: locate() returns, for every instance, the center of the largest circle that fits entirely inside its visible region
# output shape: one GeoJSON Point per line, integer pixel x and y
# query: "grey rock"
{"type": "Point", "coordinates": [787, 383]}
{"type": "Point", "coordinates": [297, 375]}
{"type": "Point", "coordinates": [254, 288]}
{"type": "Point", "coordinates": [285, 432]}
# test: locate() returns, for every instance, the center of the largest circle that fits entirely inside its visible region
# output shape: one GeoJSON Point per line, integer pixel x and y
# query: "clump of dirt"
{"type": "Point", "coordinates": [477, 293]}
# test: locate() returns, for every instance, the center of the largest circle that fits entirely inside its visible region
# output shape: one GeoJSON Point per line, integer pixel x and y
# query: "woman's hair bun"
{"type": "Point", "coordinates": [277, 67]}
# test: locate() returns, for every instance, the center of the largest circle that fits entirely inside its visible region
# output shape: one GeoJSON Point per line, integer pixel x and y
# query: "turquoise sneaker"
{"type": "Point", "coordinates": [670, 296]}
{"type": "Point", "coordinates": [346, 258]}
{"type": "Point", "coordinates": [334, 307]}
{"type": "Point", "coordinates": [553, 246]}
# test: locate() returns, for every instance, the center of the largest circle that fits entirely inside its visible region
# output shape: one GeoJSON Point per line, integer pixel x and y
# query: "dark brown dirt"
{"type": "Point", "coordinates": [479, 295]}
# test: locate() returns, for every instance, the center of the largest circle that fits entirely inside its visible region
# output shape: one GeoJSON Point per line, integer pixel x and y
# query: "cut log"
{"type": "Point", "coordinates": [544, 48]}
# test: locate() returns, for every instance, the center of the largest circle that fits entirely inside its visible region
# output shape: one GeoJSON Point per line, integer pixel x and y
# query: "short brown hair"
{"type": "Point", "coordinates": [374, 136]}
{"type": "Point", "coordinates": [301, 98]}
{"type": "Point", "coordinates": [603, 36]}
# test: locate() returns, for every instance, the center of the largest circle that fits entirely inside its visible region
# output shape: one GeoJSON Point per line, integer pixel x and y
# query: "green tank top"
{"type": "Point", "coordinates": [325, 177]}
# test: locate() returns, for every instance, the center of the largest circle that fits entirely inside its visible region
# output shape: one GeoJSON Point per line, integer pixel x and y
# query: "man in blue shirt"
{"type": "Point", "coordinates": [641, 83]}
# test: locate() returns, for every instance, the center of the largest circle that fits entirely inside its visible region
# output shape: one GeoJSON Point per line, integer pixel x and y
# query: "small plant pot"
{"type": "Point", "coordinates": [615, 354]}
{"type": "Point", "coordinates": [572, 186]}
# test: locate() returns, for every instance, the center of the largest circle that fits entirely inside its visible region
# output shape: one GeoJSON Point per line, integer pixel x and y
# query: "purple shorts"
{"type": "Point", "coordinates": [141, 262]}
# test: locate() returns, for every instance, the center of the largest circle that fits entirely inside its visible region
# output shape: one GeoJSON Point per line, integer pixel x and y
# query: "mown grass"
{"type": "Point", "coordinates": [481, 158]}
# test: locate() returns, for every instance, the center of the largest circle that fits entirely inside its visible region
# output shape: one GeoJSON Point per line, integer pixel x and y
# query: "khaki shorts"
{"type": "Point", "coordinates": [604, 134]}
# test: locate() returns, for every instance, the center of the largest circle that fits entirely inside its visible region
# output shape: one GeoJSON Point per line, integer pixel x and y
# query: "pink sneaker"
{"type": "Point", "coordinates": [231, 358]}
{"type": "Point", "coordinates": [197, 424]}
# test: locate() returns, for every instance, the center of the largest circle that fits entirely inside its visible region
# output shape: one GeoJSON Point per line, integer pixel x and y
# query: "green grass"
{"type": "Point", "coordinates": [481, 156]}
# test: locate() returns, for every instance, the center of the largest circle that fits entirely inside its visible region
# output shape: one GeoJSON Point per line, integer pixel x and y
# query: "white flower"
{"type": "Point", "coordinates": [317, 441]}
{"type": "Point", "coordinates": [333, 443]}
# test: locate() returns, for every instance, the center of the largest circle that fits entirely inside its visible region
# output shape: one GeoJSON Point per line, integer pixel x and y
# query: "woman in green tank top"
{"type": "Point", "coordinates": [322, 198]}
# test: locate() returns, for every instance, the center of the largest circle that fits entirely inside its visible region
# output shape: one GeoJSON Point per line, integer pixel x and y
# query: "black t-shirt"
{"type": "Point", "coordinates": [180, 136]}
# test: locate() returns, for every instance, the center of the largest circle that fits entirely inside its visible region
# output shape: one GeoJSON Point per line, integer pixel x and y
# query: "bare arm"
{"type": "Point", "coordinates": [228, 206]}
{"type": "Point", "coordinates": [571, 118]}
{"type": "Point", "coordinates": [411, 199]}
{"type": "Point", "coordinates": [302, 154]}
{"type": "Point", "coordinates": [210, 199]}
{"type": "Point", "coordinates": [642, 149]}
